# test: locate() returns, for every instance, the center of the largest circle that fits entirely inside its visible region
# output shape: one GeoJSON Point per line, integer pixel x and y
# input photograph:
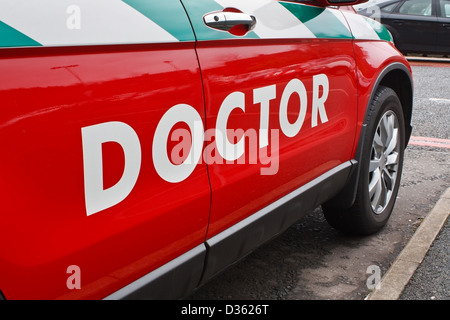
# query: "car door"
{"type": "Point", "coordinates": [414, 25]}
{"type": "Point", "coordinates": [443, 34]}
{"type": "Point", "coordinates": [280, 99]}
{"type": "Point", "coordinates": [90, 200]}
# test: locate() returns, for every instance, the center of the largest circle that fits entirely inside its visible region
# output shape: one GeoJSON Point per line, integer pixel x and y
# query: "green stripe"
{"type": "Point", "coordinates": [176, 22]}
{"type": "Point", "coordinates": [196, 9]}
{"type": "Point", "coordinates": [381, 30]}
{"type": "Point", "coordinates": [321, 22]}
{"type": "Point", "coordinates": [10, 37]}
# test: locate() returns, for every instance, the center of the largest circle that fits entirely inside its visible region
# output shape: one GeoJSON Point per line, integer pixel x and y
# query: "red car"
{"type": "Point", "coordinates": [149, 145]}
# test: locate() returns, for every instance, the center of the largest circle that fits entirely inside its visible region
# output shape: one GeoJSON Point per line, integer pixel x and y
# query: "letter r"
{"type": "Point", "coordinates": [318, 104]}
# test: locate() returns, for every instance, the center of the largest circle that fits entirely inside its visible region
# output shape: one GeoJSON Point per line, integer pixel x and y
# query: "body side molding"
{"type": "Point", "coordinates": [180, 276]}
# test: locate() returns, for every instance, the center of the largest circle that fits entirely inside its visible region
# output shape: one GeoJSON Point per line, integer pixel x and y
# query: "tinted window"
{"type": "Point", "coordinates": [416, 7]}
{"type": "Point", "coordinates": [389, 7]}
{"type": "Point", "coordinates": [445, 8]}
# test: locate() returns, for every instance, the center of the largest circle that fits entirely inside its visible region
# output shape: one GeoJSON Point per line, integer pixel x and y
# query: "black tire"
{"type": "Point", "coordinates": [380, 169]}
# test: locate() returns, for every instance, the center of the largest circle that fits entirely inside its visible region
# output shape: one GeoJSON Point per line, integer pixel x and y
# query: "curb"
{"type": "Point", "coordinates": [397, 277]}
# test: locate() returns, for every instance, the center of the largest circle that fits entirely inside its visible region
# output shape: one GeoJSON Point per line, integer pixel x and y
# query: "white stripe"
{"type": "Point", "coordinates": [273, 19]}
{"type": "Point", "coordinates": [101, 22]}
{"type": "Point", "coordinates": [340, 16]}
{"type": "Point", "coordinates": [360, 27]}
{"type": "Point", "coordinates": [440, 100]}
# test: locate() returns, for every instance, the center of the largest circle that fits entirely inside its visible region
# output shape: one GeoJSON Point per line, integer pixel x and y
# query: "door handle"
{"type": "Point", "coordinates": [230, 20]}
{"type": "Point", "coordinates": [399, 22]}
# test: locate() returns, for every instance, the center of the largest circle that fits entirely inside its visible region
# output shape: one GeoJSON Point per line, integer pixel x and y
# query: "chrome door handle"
{"type": "Point", "coordinates": [225, 20]}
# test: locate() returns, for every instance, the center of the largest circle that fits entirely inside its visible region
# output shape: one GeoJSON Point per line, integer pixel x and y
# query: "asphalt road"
{"type": "Point", "coordinates": [312, 261]}
{"type": "Point", "coordinates": [431, 280]}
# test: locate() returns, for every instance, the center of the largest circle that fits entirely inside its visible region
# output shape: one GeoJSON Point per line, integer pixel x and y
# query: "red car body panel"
{"type": "Point", "coordinates": [47, 96]}
{"type": "Point", "coordinates": [311, 152]}
{"type": "Point", "coordinates": [372, 58]}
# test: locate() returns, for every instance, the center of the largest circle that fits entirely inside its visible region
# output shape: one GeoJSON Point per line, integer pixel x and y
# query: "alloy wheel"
{"type": "Point", "coordinates": [384, 161]}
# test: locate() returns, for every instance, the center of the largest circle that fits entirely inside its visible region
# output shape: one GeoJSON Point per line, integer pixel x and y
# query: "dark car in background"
{"type": "Point", "coordinates": [417, 26]}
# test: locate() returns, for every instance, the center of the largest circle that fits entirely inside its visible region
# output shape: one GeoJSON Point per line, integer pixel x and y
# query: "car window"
{"type": "Point", "coordinates": [416, 7]}
{"type": "Point", "coordinates": [445, 8]}
{"type": "Point", "coordinates": [389, 7]}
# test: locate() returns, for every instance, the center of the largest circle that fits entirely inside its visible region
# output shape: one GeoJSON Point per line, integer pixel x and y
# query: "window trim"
{"type": "Point", "coordinates": [397, 10]}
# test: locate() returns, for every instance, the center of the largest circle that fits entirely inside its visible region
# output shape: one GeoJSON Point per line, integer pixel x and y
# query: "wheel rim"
{"type": "Point", "coordinates": [384, 162]}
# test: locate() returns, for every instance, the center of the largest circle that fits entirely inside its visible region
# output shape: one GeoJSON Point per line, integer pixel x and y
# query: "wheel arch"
{"type": "Point", "coordinates": [396, 76]}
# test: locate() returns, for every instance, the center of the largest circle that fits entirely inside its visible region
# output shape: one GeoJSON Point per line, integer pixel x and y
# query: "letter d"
{"type": "Point", "coordinates": [97, 198]}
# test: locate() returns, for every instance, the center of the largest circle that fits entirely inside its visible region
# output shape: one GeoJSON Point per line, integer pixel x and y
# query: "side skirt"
{"type": "Point", "coordinates": [173, 280]}
{"type": "Point", "coordinates": [238, 241]}
{"type": "Point", "coordinates": [181, 276]}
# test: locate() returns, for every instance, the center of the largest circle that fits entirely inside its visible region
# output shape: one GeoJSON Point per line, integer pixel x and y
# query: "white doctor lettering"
{"type": "Point", "coordinates": [97, 198]}
{"type": "Point", "coordinates": [164, 167]}
{"type": "Point", "coordinates": [229, 151]}
{"type": "Point", "coordinates": [318, 105]}
{"type": "Point", "coordinates": [291, 129]}
{"type": "Point", "coordinates": [175, 167]}
{"type": "Point", "coordinates": [263, 96]}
